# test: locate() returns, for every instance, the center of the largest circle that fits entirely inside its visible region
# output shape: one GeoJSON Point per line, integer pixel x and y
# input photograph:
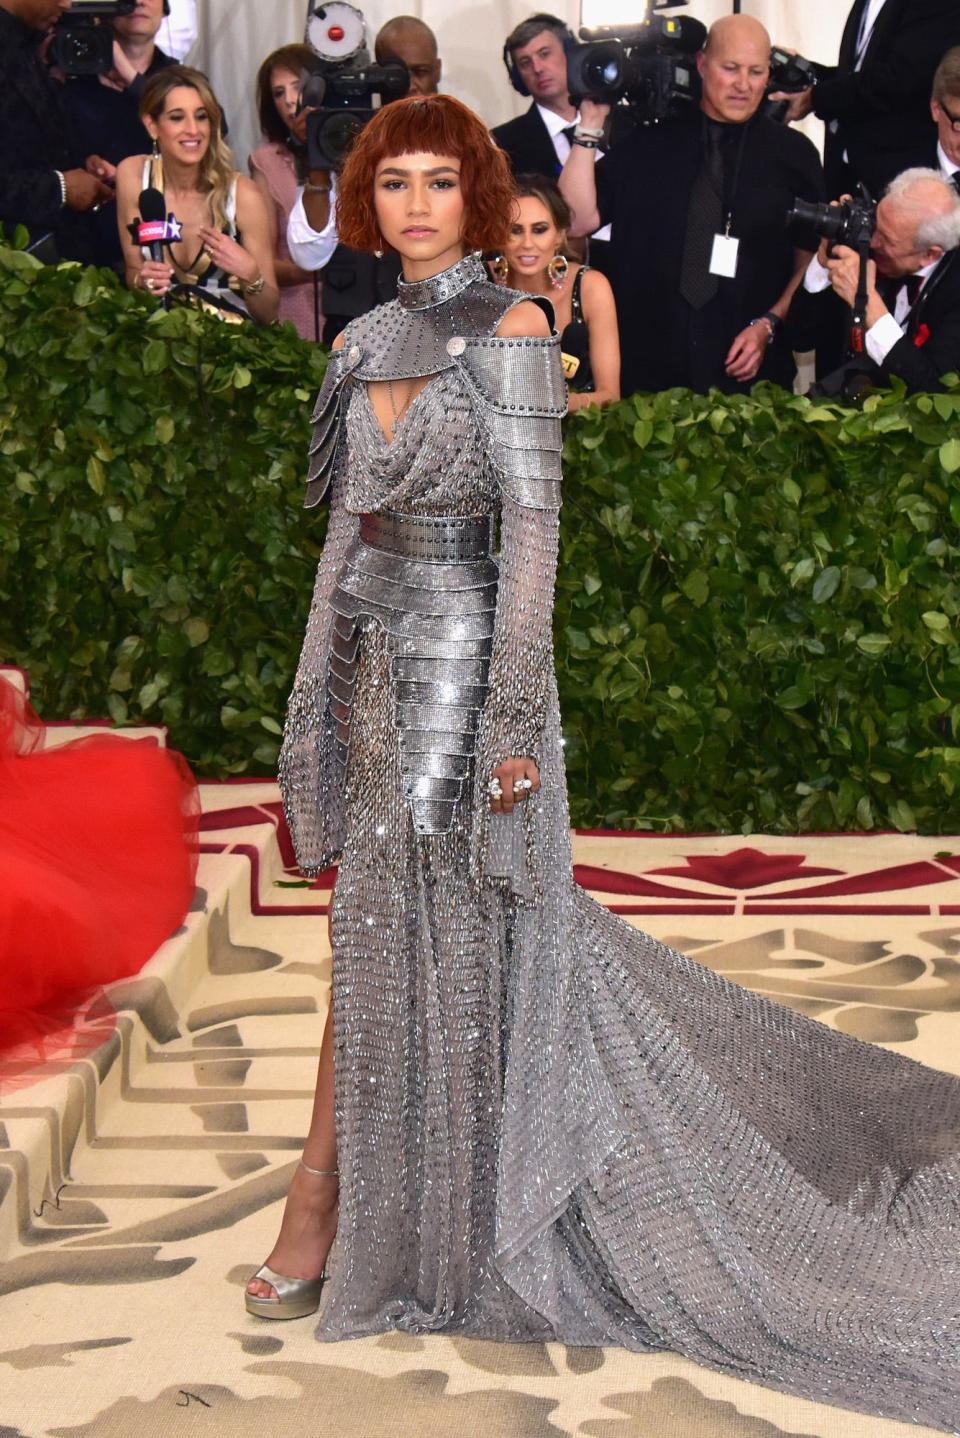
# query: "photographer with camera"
{"type": "Point", "coordinates": [275, 170]}
{"type": "Point", "coordinates": [702, 265]}
{"type": "Point", "coordinates": [409, 40]}
{"type": "Point", "coordinates": [43, 183]}
{"type": "Point", "coordinates": [912, 313]}
{"type": "Point", "coordinates": [875, 100]}
{"type": "Point", "coordinates": [337, 99]}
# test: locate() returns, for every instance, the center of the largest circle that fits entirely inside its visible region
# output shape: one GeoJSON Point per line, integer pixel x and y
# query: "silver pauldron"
{"type": "Point", "coordinates": [521, 397]}
{"type": "Point", "coordinates": [431, 583]}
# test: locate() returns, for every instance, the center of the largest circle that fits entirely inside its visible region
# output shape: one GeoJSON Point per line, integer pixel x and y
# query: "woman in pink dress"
{"type": "Point", "coordinates": [273, 167]}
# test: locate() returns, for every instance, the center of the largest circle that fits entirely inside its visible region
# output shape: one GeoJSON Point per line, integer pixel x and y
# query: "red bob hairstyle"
{"type": "Point", "coordinates": [430, 125]}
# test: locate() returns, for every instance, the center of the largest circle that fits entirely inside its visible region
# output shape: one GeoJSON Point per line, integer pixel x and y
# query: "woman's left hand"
{"type": "Point", "coordinates": [228, 256]}
{"type": "Point", "coordinates": [518, 779]}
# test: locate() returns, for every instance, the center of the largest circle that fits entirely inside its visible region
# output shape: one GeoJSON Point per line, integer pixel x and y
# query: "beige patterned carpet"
{"type": "Point", "coordinates": [141, 1185]}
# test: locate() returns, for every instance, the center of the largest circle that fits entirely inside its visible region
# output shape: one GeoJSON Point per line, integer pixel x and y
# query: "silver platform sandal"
{"type": "Point", "coordinates": [296, 1297]}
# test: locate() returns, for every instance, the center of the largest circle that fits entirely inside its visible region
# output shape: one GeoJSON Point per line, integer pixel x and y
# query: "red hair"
{"type": "Point", "coordinates": [430, 125]}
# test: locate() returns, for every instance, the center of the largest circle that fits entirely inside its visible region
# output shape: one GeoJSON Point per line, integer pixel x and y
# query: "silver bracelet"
{"type": "Point", "coordinates": [63, 186]}
{"type": "Point", "coordinates": [316, 189]}
{"type": "Point", "coordinates": [586, 133]}
{"type": "Point", "coordinates": [255, 287]}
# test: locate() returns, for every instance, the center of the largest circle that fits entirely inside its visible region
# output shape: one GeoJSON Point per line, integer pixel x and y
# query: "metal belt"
{"type": "Point", "coordinates": [422, 536]}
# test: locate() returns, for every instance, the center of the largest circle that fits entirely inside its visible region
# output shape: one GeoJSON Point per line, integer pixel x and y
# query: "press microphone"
{"type": "Point", "coordinates": [152, 229]}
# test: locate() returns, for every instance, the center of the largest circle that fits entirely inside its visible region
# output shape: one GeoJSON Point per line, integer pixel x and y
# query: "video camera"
{"type": "Point", "coordinates": [342, 87]}
{"type": "Point", "coordinates": [650, 67]}
{"type": "Point", "coordinates": [851, 222]}
{"type": "Point", "coordinates": [81, 44]}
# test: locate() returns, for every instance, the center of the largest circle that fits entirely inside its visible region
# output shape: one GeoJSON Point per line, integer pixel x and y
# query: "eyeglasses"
{"type": "Point", "coordinates": [954, 119]}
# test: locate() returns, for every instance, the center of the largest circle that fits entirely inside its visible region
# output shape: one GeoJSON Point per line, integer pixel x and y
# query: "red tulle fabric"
{"type": "Point", "coordinates": [97, 869]}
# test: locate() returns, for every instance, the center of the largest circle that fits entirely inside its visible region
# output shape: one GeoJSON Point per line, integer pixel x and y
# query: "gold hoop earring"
{"type": "Point", "coordinates": [499, 268]}
{"type": "Point", "coordinates": [557, 271]}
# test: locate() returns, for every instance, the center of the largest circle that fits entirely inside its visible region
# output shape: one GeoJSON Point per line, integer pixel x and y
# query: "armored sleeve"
{"type": "Point", "coordinates": [313, 805]}
{"type": "Point", "coordinates": [520, 400]}
{"type": "Point", "coordinates": [327, 417]}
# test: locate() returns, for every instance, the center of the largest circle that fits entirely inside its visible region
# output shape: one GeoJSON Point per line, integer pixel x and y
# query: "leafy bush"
{"type": "Point", "coordinates": [757, 603]}
{"type": "Point", "coordinates": [155, 561]}
{"type": "Point", "coordinates": [757, 617]}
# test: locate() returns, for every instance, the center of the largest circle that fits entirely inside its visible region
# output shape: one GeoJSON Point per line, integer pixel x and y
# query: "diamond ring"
{"type": "Point", "coordinates": [495, 789]}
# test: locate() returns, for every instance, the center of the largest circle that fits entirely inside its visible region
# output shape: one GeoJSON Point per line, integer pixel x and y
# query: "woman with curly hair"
{"type": "Point", "coordinates": [224, 257]}
{"type": "Point", "coordinates": [533, 1121]}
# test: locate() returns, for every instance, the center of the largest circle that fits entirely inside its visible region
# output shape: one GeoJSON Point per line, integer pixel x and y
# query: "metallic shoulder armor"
{"type": "Point", "coordinates": [326, 422]}
{"type": "Point", "coordinates": [521, 398]}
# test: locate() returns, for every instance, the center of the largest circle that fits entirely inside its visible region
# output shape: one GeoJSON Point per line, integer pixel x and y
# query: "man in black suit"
{"type": "Point", "coordinates": [536, 143]}
{"type": "Point", "coordinates": [43, 182]}
{"type": "Point", "coordinates": [945, 109]}
{"type": "Point", "coordinates": [875, 101]}
{"type": "Point", "coordinates": [913, 288]}
{"type": "Point", "coordinates": [703, 266]}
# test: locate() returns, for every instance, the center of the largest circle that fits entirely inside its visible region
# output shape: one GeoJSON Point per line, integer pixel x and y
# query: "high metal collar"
{"type": "Point", "coordinates": [437, 289]}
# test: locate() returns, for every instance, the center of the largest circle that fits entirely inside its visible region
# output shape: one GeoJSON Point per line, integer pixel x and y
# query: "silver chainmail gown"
{"type": "Point", "coordinates": [549, 1125]}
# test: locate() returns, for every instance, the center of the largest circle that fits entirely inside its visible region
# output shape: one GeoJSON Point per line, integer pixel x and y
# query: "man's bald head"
{"type": "Point", "coordinates": [736, 30]}
{"type": "Point", "coordinates": [408, 39]}
{"type": "Point", "coordinates": [734, 67]}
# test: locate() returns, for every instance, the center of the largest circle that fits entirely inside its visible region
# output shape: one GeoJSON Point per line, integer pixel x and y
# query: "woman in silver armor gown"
{"type": "Point", "coordinates": [546, 1125]}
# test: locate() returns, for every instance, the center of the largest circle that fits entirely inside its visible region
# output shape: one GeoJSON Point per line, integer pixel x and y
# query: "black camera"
{"type": "Point", "coordinates": [342, 88]}
{"type": "Point", "coordinates": [650, 67]}
{"type": "Point", "coordinates": [790, 74]}
{"type": "Point", "coordinates": [851, 222]}
{"type": "Point", "coordinates": [82, 44]}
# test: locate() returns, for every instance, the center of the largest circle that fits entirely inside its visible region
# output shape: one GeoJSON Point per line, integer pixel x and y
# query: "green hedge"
{"type": "Point", "coordinates": [757, 603]}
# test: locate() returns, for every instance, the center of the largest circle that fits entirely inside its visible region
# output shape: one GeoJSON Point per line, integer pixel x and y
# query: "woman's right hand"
{"type": "Point", "coordinates": [155, 277]}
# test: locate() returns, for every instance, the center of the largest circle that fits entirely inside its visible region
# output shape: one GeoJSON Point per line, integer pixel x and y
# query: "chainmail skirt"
{"type": "Point", "coordinates": [550, 1126]}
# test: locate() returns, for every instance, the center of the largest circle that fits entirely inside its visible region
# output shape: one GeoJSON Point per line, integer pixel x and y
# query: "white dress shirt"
{"type": "Point", "coordinates": [867, 26]}
{"type": "Point", "coordinates": [889, 329]}
{"type": "Point", "coordinates": [309, 248]}
{"type": "Point", "coordinates": [178, 33]}
{"type": "Point", "coordinates": [556, 125]}
{"type": "Point", "coordinates": [947, 168]}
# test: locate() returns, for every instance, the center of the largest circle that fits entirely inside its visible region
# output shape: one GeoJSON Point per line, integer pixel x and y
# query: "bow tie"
{"type": "Point", "coordinates": [889, 290]}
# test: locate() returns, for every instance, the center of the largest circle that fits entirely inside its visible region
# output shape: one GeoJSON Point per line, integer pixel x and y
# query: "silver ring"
{"type": "Point", "coordinates": [520, 786]}
{"type": "Point", "coordinates": [148, 284]}
{"type": "Point", "coordinates": [495, 789]}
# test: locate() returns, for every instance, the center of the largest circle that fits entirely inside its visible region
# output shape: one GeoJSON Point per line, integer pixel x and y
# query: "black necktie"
{"type": "Point", "coordinates": [567, 130]}
{"type": "Point", "coordinates": [704, 220]}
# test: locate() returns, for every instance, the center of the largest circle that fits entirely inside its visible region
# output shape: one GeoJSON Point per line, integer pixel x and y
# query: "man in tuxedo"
{"type": "Point", "coordinates": [874, 102]}
{"type": "Point", "coordinates": [538, 142]}
{"type": "Point", "coordinates": [913, 288]}
{"type": "Point", "coordinates": [43, 182]}
{"type": "Point", "coordinates": [703, 266]}
{"type": "Point", "coordinates": [945, 108]}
